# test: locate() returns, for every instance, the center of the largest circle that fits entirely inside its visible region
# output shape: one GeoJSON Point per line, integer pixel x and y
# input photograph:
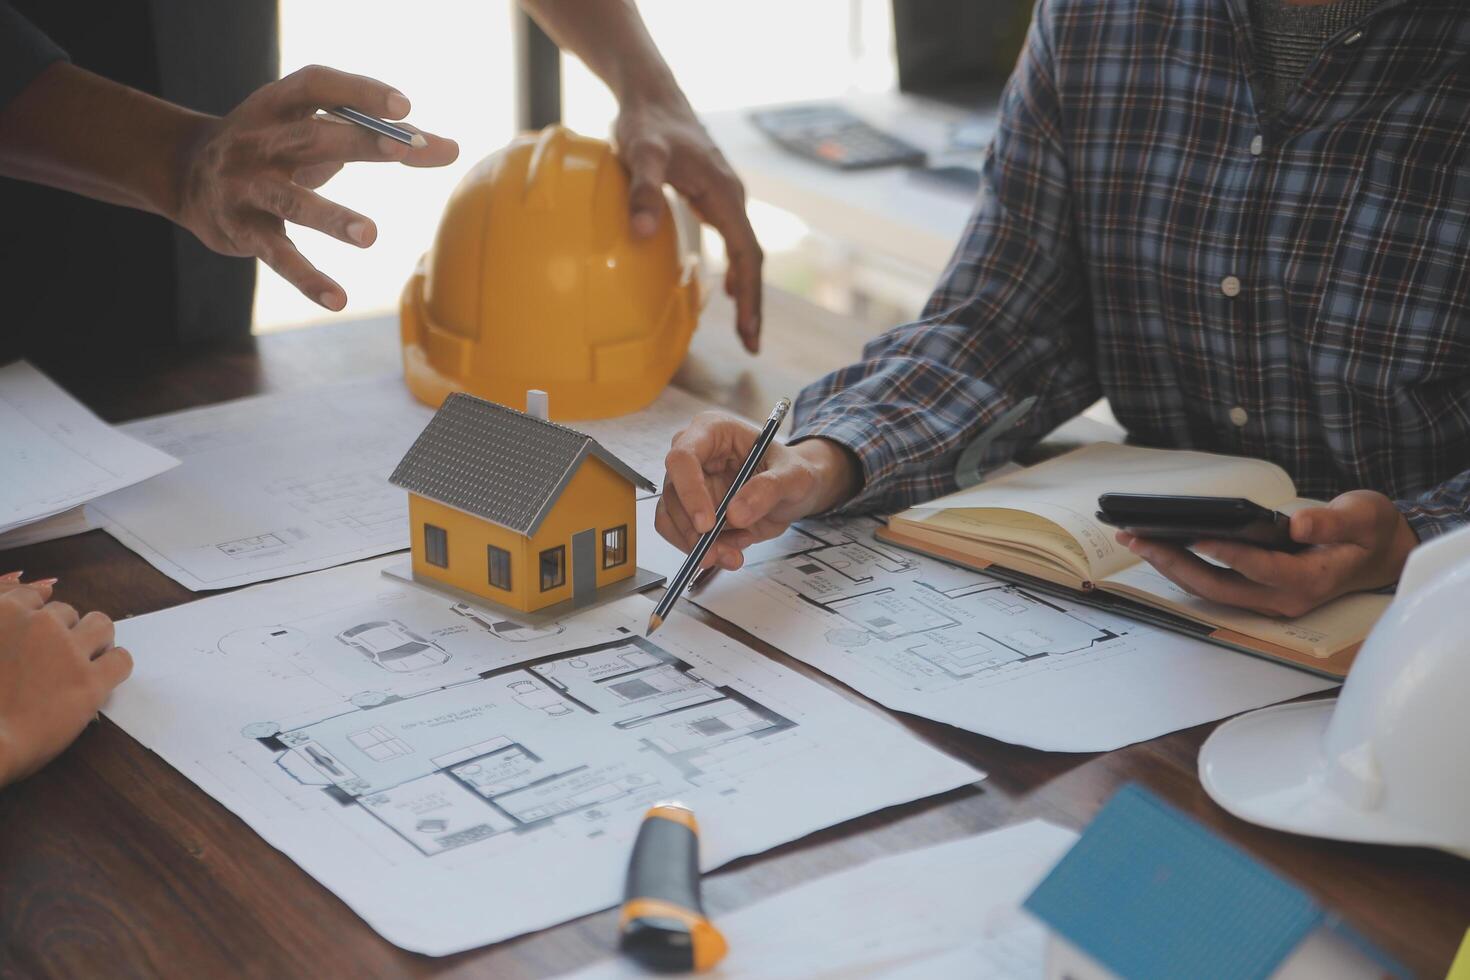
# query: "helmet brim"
{"type": "Point", "coordinates": [1268, 767]}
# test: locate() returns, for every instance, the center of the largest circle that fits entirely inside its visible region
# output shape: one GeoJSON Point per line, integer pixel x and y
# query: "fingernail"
{"type": "Point", "coordinates": [644, 223]}
{"type": "Point", "coordinates": [358, 232]}
{"type": "Point", "coordinates": [45, 581]}
{"type": "Point", "coordinates": [1306, 524]}
{"type": "Point", "coordinates": [331, 301]}
{"type": "Point", "coordinates": [11, 576]}
{"type": "Point", "coordinates": [398, 105]}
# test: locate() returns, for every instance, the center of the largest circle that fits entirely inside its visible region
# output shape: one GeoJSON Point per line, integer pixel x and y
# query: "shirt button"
{"type": "Point", "coordinates": [1257, 145]}
{"type": "Point", "coordinates": [1230, 286]}
{"type": "Point", "coordinates": [1238, 417]}
{"type": "Point", "coordinates": [1352, 39]}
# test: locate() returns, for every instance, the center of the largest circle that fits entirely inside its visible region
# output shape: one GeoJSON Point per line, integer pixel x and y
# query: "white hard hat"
{"type": "Point", "coordinates": [1386, 762]}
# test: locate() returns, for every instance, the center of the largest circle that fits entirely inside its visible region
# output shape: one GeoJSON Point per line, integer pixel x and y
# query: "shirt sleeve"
{"type": "Point", "coordinates": [1440, 509]}
{"type": "Point", "coordinates": [24, 52]}
{"type": "Point", "coordinates": [1009, 320]}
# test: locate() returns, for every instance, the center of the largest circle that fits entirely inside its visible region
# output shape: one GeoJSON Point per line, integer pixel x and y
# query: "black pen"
{"type": "Point", "coordinates": [691, 563]}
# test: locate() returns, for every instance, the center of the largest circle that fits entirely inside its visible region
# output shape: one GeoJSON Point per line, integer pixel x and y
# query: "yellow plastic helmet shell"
{"type": "Point", "coordinates": [535, 281]}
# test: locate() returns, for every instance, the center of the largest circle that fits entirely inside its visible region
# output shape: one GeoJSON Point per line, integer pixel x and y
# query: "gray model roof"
{"type": "Point", "coordinates": [499, 464]}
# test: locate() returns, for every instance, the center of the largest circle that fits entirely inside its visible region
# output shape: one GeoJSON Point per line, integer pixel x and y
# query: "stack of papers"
{"type": "Point", "coordinates": [56, 455]}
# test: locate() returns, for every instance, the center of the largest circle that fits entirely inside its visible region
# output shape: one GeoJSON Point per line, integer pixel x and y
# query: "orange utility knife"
{"type": "Point", "coordinates": [663, 925]}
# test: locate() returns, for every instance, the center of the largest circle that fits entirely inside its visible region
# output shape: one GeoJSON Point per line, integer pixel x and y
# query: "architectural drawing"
{"type": "Point", "coordinates": [291, 482]}
{"type": "Point", "coordinates": [393, 646]}
{"type": "Point", "coordinates": [926, 625]}
{"type": "Point", "coordinates": [497, 785]}
{"type": "Point", "coordinates": [441, 774]}
{"type": "Point", "coordinates": [974, 651]}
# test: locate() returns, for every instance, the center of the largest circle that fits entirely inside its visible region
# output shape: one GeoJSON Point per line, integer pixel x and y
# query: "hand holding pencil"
{"type": "Point", "coordinates": [704, 466]}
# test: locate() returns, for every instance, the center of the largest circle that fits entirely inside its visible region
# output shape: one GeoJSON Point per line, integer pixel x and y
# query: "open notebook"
{"type": "Point", "coordinates": [1040, 523]}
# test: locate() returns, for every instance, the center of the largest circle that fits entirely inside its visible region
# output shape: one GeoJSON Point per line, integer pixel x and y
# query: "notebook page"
{"type": "Point", "coordinates": [1065, 491]}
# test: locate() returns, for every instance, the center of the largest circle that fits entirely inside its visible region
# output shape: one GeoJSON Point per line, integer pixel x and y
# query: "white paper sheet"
{"type": "Point", "coordinates": [972, 651]}
{"type": "Point", "coordinates": [55, 455]}
{"type": "Point", "coordinates": [277, 485]}
{"type": "Point", "coordinates": [458, 781]}
{"type": "Point", "coordinates": [272, 485]}
{"type": "Point", "coordinates": [905, 915]}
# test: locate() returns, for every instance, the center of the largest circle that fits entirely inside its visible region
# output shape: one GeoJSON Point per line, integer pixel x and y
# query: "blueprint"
{"type": "Point", "coordinates": [972, 651]}
{"type": "Point", "coordinates": [280, 484]}
{"type": "Point", "coordinates": [958, 915]}
{"type": "Point", "coordinates": [55, 455]}
{"type": "Point", "coordinates": [458, 780]}
{"type": "Point", "coordinates": [272, 485]}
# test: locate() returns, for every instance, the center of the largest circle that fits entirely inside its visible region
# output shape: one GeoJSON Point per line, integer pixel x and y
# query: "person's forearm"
{"type": "Point", "coordinates": [839, 476]}
{"type": "Point", "coordinates": [609, 37]}
{"type": "Point", "coordinates": [80, 132]}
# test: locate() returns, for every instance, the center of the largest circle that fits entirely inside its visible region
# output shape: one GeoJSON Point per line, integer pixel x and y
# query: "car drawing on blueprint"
{"type": "Point", "coordinates": [393, 646]}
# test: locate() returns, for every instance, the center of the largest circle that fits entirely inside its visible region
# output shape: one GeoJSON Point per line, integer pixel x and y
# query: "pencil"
{"type": "Point", "coordinates": [378, 126]}
{"type": "Point", "coordinates": [702, 546]}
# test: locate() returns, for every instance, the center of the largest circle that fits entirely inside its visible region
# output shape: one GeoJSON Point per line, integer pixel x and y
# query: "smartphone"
{"type": "Point", "coordinates": [1176, 517]}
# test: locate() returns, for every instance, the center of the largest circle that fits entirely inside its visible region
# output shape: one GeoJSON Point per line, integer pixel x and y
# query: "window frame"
{"type": "Point", "coordinates": [622, 549]}
{"type": "Point", "coordinates": [429, 549]}
{"type": "Point", "coordinates": [491, 553]}
{"type": "Point", "coordinates": [561, 567]}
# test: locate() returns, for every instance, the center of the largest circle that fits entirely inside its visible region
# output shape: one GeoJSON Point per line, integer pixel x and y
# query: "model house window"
{"type": "Point", "coordinates": [436, 546]}
{"type": "Point", "coordinates": [614, 546]}
{"type": "Point", "coordinates": [553, 568]}
{"type": "Point", "coordinates": [499, 567]}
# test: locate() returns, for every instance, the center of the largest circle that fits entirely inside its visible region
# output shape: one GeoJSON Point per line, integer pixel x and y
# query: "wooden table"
{"type": "Point", "coordinates": [111, 863]}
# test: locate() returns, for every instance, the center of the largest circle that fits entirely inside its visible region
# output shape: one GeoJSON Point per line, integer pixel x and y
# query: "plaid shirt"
{"type": "Point", "coordinates": [1296, 292]}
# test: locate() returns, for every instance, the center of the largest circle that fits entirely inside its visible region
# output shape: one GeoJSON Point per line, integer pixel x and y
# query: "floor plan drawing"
{"type": "Point", "coordinates": [458, 782]}
{"type": "Point", "coordinates": [979, 653]}
{"type": "Point", "coordinates": [942, 629]}
{"type": "Point", "coordinates": [445, 785]}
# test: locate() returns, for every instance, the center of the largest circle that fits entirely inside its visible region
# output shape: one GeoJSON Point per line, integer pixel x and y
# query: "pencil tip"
{"type": "Point", "coordinates": [418, 142]}
{"type": "Point", "coordinates": [654, 622]}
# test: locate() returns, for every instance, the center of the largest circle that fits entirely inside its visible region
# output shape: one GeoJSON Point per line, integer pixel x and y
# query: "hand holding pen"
{"type": "Point", "coordinates": [248, 174]}
{"type": "Point", "coordinates": [701, 547]}
{"type": "Point", "coordinates": [810, 477]}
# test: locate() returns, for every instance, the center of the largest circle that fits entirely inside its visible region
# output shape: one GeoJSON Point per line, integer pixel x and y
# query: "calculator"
{"type": "Point", "coordinates": [829, 134]}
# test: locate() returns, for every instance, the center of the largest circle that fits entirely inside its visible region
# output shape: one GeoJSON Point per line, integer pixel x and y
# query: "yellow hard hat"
{"type": "Point", "coordinates": [535, 281]}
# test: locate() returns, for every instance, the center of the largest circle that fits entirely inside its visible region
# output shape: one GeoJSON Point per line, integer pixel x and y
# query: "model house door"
{"type": "Point", "coordinates": [584, 566]}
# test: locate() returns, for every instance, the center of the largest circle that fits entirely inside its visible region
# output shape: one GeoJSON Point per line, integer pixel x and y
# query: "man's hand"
{"type": "Point", "coordinates": [792, 482]}
{"type": "Point", "coordinates": [56, 669]}
{"type": "Point", "coordinates": [249, 173]}
{"type": "Point", "coordinates": [659, 140]}
{"type": "Point", "coordinates": [1359, 541]}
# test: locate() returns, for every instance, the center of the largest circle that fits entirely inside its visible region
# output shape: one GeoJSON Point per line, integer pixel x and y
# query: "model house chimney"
{"type": "Point", "coordinates": [537, 405]}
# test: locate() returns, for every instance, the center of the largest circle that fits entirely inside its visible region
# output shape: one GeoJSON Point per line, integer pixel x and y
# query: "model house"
{"type": "Point", "coordinates": [518, 513]}
{"type": "Point", "coordinates": [1147, 892]}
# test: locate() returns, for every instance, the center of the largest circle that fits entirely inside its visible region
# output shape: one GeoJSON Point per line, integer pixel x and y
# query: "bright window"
{"type": "Point", "coordinates": [614, 546]}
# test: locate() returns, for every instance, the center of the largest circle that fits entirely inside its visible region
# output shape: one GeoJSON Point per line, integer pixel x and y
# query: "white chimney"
{"type": "Point", "coordinates": [537, 405]}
